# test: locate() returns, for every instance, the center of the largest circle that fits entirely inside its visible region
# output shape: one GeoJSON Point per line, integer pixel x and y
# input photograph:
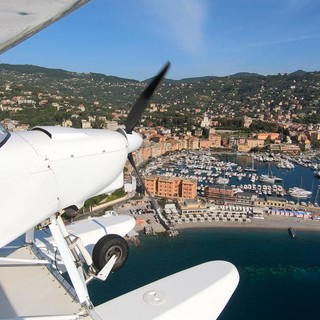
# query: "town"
{"type": "Point", "coordinates": [242, 113]}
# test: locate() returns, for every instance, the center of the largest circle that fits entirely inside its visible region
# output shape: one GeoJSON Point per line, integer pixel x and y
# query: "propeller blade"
{"type": "Point", "coordinates": [142, 102]}
{"type": "Point", "coordinates": [130, 158]}
{"type": "Point", "coordinates": [152, 199]}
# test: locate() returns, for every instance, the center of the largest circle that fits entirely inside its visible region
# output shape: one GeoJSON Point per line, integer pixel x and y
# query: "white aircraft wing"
{"type": "Point", "coordinates": [200, 292]}
{"type": "Point", "coordinates": [20, 19]}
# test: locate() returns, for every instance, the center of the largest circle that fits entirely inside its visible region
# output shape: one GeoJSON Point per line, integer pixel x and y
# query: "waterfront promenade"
{"type": "Point", "coordinates": [269, 222]}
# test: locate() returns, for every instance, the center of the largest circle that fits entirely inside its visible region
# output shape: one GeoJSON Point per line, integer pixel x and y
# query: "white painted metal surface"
{"type": "Point", "coordinates": [28, 191]}
{"type": "Point", "coordinates": [52, 168]}
{"type": "Point", "coordinates": [90, 231]}
{"type": "Point", "coordinates": [31, 290]}
{"type": "Point", "coordinates": [200, 292]}
{"type": "Point", "coordinates": [75, 276]}
{"type": "Point", "coordinates": [19, 19]}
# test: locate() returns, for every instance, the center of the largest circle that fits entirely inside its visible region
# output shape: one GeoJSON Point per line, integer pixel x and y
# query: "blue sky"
{"type": "Point", "coordinates": [133, 39]}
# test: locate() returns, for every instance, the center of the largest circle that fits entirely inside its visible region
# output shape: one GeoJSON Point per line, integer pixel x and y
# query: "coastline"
{"type": "Point", "coordinates": [269, 222]}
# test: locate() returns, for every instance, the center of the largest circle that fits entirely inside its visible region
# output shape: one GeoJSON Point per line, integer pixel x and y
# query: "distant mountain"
{"type": "Point", "coordinates": [245, 75]}
{"type": "Point", "coordinates": [183, 80]}
{"type": "Point", "coordinates": [31, 69]}
{"type": "Point", "coordinates": [298, 73]}
{"type": "Point", "coordinates": [61, 74]}
{"type": "Point", "coordinates": [64, 74]}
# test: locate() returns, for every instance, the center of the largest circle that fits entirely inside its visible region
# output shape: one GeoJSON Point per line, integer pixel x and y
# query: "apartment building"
{"type": "Point", "coordinates": [220, 195]}
{"type": "Point", "coordinates": [171, 187]}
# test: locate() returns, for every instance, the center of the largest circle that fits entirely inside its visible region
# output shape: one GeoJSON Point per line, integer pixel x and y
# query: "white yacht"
{"type": "Point", "coordinates": [222, 180]}
{"type": "Point", "coordinates": [299, 192]}
{"type": "Point", "coordinates": [269, 179]}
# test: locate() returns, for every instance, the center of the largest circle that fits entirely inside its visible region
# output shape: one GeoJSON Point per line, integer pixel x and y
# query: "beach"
{"type": "Point", "coordinates": [269, 222]}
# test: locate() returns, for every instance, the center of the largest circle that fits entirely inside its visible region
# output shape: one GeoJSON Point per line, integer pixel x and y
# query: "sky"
{"type": "Point", "coordinates": [135, 38]}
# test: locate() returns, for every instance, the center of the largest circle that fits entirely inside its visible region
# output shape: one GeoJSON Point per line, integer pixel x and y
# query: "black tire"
{"type": "Point", "coordinates": [106, 247]}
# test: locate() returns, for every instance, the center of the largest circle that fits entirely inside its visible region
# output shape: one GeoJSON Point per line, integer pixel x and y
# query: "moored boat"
{"type": "Point", "coordinates": [222, 180]}
{"type": "Point", "coordinates": [297, 192]}
{"type": "Point", "coordinates": [269, 179]}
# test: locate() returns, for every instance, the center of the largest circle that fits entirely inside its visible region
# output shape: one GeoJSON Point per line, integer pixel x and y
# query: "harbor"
{"type": "Point", "coordinates": [290, 201]}
{"type": "Point", "coordinates": [295, 178]}
{"type": "Point", "coordinates": [269, 190]}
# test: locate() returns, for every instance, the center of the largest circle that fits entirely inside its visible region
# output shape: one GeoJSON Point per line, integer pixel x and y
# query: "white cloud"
{"type": "Point", "coordinates": [182, 21]}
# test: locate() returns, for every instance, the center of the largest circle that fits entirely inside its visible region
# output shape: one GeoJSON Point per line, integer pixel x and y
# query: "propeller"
{"type": "Point", "coordinates": [153, 200]}
{"type": "Point", "coordinates": [134, 117]}
{"type": "Point", "coordinates": [142, 102]}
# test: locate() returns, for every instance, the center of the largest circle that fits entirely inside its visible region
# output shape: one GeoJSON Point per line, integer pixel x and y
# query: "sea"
{"type": "Point", "coordinates": [279, 275]}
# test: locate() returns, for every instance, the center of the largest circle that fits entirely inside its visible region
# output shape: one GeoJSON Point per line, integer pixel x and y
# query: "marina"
{"type": "Point", "coordinates": [262, 174]}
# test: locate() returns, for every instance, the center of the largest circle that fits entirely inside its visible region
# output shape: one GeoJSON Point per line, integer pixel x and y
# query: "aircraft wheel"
{"type": "Point", "coordinates": [106, 247]}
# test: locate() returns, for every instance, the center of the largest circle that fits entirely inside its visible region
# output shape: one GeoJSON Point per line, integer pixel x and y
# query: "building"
{"type": "Point", "coordinates": [151, 184]}
{"type": "Point", "coordinates": [246, 198]}
{"type": "Point", "coordinates": [193, 143]}
{"type": "Point", "coordinates": [191, 206]}
{"type": "Point", "coordinates": [204, 144]}
{"type": "Point", "coordinates": [188, 189]}
{"type": "Point", "coordinates": [315, 136]}
{"type": "Point", "coordinates": [168, 187]}
{"type": "Point", "coordinates": [266, 135]}
{"type": "Point", "coordinates": [85, 124]}
{"type": "Point", "coordinates": [111, 125]}
{"type": "Point", "coordinates": [215, 139]}
{"type": "Point", "coordinates": [248, 144]}
{"type": "Point", "coordinates": [246, 121]}
{"type": "Point", "coordinates": [220, 195]}
{"type": "Point", "coordinates": [271, 202]}
{"type": "Point", "coordinates": [67, 123]}
{"type": "Point", "coordinates": [171, 187]}
{"type": "Point", "coordinates": [285, 148]}
{"type": "Point", "coordinates": [205, 123]}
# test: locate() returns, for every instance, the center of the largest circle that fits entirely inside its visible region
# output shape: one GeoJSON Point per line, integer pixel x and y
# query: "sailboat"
{"type": "Point", "coordinates": [269, 178]}
{"type": "Point", "coordinates": [297, 192]}
{"type": "Point", "coordinates": [251, 169]}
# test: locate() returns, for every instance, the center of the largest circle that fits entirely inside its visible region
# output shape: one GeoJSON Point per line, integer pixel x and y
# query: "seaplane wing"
{"type": "Point", "coordinates": [20, 19]}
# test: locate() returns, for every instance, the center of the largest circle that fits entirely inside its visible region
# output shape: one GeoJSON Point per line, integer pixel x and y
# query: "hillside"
{"type": "Point", "coordinates": [289, 95]}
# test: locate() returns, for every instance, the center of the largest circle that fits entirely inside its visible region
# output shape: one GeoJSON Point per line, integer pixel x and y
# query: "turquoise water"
{"type": "Point", "coordinates": [279, 275]}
